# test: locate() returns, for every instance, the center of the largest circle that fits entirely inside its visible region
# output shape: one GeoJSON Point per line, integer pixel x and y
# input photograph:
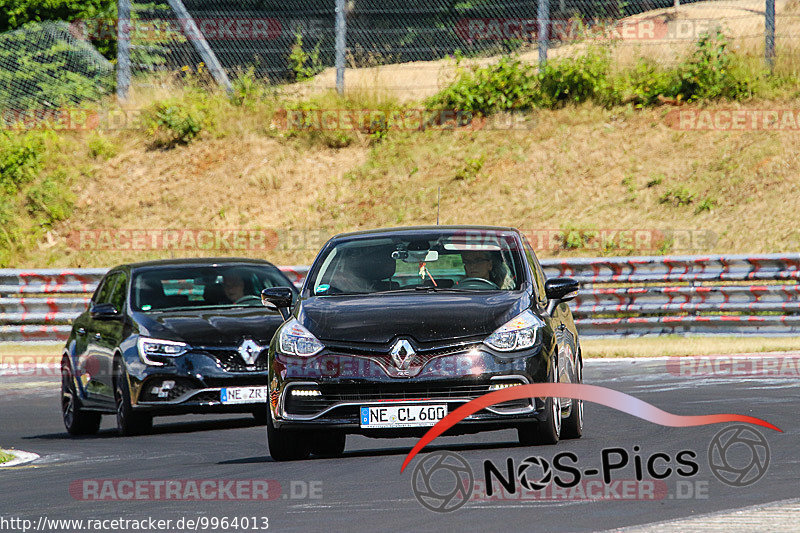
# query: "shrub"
{"type": "Point", "coordinates": [50, 200]}
{"type": "Point", "coordinates": [247, 90]}
{"type": "Point", "coordinates": [20, 159]}
{"type": "Point", "coordinates": [173, 122]}
{"type": "Point", "coordinates": [575, 80]}
{"type": "Point", "coordinates": [677, 197]}
{"type": "Point", "coordinates": [507, 85]}
{"type": "Point", "coordinates": [304, 65]}
{"type": "Point", "coordinates": [710, 73]}
{"type": "Point", "coordinates": [100, 146]}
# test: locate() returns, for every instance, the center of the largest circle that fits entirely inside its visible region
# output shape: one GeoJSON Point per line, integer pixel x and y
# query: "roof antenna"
{"type": "Point", "coordinates": [438, 200]}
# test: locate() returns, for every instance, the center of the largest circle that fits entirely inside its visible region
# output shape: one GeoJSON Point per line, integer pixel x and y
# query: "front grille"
{"type": "Point", "coordinates": [383, 350]}
{"type": "Point", "coordinates": [206, 397]}
{"type": "Point", "coordinates": [230, 360]}
{"type": "Point", "coordinates": [371, 393]}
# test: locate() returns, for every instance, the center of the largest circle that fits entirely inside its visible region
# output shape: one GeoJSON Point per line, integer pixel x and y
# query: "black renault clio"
{"type": "Point", "coordinates": [395, 328]}
{"type": "Point", "coordinates": [171, 337]}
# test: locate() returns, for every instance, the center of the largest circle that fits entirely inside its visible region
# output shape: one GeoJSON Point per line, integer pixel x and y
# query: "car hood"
{"type": "Point", "coordinates": [212, 327]}
{"type": "Point", "coordinates": [427, 317]}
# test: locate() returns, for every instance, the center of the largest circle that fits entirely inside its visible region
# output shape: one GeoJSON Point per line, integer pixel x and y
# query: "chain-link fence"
{"type": "Point", "coordinates": [44, 66]}
{"type": "Point", "coordinates": [398, 45]}
{"type": "Point", "coordinates": [404, 45]}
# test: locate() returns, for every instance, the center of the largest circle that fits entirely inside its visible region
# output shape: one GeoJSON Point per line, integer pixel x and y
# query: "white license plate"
{"type": "Point", "coordinates": [401, 416]}
{"type": "Point", "coordinates": [243, 395]}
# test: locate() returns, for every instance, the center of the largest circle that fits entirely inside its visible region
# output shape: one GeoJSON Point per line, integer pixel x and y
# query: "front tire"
{"type": "Point", "coordinates": [573, 425]}
{"type": "Point", "coordinates": [77, 421]}
{"type": "Point", "coordinates": [548, 430]}
{"type": "Point", "coordinates": [284, 444]}
{"type": "Point", "coordinates": [129, 422]}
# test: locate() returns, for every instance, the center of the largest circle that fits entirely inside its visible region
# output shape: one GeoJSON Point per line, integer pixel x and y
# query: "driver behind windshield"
{"type": "Point", "coordinates": [486, 265]}
{"type": "Point", "coordinates": [233, 286]}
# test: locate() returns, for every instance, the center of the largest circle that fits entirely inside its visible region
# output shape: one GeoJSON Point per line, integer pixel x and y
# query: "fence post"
{"type": "Point", "coordinates": [769, 34]}
{"type": "Point", "coordinates": [543, 14]}
{"type": "Point", "coordinates": [194, 34]}
{"type": "Point", "coordinates": [341, 43]}
{"type": "Point", "coordinates": [123, 48]}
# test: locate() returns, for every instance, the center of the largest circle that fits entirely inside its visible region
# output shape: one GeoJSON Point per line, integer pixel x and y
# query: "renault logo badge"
{"type": "Point", "coordinates": [402, 354]}
{"type": "Point", "coordinates": [250, 350]}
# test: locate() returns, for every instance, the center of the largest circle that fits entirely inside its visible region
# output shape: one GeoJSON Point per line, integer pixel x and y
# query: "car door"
{"type": "Point", "coordinates": [93, 369]}
{"type": "Point", "coordinates": [560, 318]}
{"type": "Point", "coordinates": [109, 333]}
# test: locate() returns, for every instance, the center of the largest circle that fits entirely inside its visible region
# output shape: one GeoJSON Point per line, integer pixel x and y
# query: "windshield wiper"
{"type": "Point", "coordinates": [423, 288]}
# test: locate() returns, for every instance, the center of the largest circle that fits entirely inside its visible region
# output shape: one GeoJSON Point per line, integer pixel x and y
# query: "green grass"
{"type": "Point", "coordinates": [676, 346]}
{"type": "Point", "coordinates": [5, 457]}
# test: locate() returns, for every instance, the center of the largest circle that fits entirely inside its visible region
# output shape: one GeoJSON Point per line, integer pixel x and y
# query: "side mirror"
{"type": "Point", "coordinates": [104, 312]}
{"type": "Point", "coordinates": [563, 289]}
{"type": "Point", "coordinates": [280, 297]}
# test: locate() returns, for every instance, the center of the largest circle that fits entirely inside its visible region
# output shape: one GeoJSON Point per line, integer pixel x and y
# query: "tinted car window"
{"type": "Point", "coordinates": [189, 286]}
{"type": "Point", "coordinates": [106, 289]}
{"type": "Point", "coordinates": [536, 270]}
{"type": "Point", "coordinates": [117, 297]}
{"type": "Point", "coordinates": [445, 260]}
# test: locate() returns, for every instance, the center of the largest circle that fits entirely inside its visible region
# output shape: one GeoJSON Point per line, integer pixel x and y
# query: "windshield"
{"type": "Point", "coordinates": [440, 261]}
{"type": "Point", "coordinates": [203, 286]}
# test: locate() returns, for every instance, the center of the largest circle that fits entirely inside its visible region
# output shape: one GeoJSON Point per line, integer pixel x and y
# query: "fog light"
{"type": "Point", "coordinates": [162, 391]}
{"type": "Point", "coordinates": [306, 392]}
{"type": "Point", "coordinates": [503, 385]}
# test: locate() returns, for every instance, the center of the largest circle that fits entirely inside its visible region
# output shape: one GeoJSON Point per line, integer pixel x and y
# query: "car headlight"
{"type": "Point", "coordinates": [159, 348]}
{"type": "Point", "coordinates": [294, 339]}
{"type": "Point", "coordinates": [517, 334]}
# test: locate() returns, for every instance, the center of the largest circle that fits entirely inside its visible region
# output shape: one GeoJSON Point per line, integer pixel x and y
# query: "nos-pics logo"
{"type": "Point", "coordinates": [443, 481]}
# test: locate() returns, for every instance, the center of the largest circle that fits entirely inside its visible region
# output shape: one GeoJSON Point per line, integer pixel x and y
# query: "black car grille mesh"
{"type": "Point", "coordinates": [229, 359]}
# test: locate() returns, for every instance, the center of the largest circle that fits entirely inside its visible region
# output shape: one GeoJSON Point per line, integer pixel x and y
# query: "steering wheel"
{"type": "Point", "coordinates": [476, 283]}
{"type": "Point", "coordinates": [248, 298]}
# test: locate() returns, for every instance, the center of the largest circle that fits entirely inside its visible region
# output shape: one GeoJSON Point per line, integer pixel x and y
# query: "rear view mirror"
{"type": "Point", "coordinates": [104, 311]}
{"type": "Point", "coordinates": [416, 256]}
{"type": "Point", "coordinates": [563, 289]}
{"type": "Point", "coordinates": [280, 297]}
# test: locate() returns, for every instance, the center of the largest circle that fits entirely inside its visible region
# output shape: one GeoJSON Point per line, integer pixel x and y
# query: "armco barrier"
{"type": "Point", "coordinates": [619, 296]}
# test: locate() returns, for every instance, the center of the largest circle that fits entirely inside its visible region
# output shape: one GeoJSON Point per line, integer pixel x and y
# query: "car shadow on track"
{"type": "Point", "coordinates": [378, 452]}
{"type": "Point", "coordinates": [159, 429]}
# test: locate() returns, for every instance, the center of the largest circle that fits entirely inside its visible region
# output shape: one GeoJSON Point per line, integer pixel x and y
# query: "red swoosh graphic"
{"type": "Point", "coordinates": [590, 393]}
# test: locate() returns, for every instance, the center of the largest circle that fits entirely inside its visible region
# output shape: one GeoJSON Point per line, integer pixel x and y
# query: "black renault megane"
{"type": "Point", "coordinates": [395, 328]}
{"type": "Point", "coordinates": [171, 337]}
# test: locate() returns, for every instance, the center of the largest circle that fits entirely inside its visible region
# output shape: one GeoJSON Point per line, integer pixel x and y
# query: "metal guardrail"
{"type": "Point", "coordinates": [619, 296]}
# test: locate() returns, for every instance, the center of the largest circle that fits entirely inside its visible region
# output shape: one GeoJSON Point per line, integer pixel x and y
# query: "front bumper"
{"type": "Point", "coordinates": [192, 382]}
{"type": "Point", "coordinates": [329, 389]}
